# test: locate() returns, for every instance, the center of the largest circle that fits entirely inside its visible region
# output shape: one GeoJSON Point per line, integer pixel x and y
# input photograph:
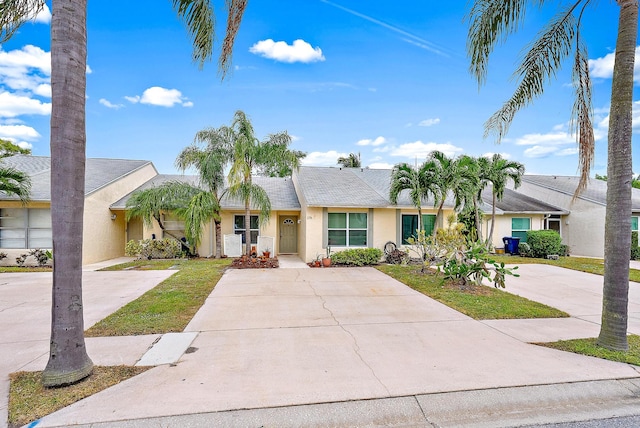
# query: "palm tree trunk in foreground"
{"type": "Point", "coordinates": [68, 359]}
{"type": "Point", "coordinates": [218, 238]}
{"type": "Point", "coordinates": [613, 332]}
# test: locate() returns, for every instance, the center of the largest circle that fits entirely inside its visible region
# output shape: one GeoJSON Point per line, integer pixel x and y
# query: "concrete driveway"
{"type": "Point", "coordinates": [25, 320]}
{"type": "Point", "coordinates": [285, 337]}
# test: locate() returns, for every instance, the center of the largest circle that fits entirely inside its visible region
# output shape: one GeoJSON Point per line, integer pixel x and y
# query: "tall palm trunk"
{"type": "Point", "coordinates": [68, 359]}
{"type": "Point", "coordinates": [439, 223]}
{"type": "Point", "coordinates": [247, 215]}
{"type": "Point", "coordinates": [613, 332]}
{"type": "Point", "coordinates": [476, 215]}
{"type": "Point", "coordinates": [493, 217]}
{"type": "Point", "coordinates": [218, 225]}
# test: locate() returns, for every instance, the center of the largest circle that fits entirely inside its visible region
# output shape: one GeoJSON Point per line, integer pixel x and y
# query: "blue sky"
{"type": "Point", "coordinates": [340, 76]}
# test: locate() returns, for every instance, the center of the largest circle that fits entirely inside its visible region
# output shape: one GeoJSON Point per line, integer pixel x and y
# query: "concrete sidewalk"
{"type": "Point", "coordinates": [268, 339]}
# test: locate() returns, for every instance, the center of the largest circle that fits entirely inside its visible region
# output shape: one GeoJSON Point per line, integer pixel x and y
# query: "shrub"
{"type": "Point", "coordinates": [41, 256]}
{"type": "Point", "coordinates": [166, 248]}
{"type": "Point", "coordinates": [524, 249]}
{"type": "Point", "coordinates": [564, 250]}
{"type": "Point", "coordinates": [21, 259]}
{"type": "Point", "coordinates": [544, 242]}
{"type": "Point", "coordinates": [635, 250]}
{"type": "Point", "coordinates": [357, 257]}
{"type": "Point", "coordinates": [397, 257]}
{"type": "Point", "coordinates": [3, 256]}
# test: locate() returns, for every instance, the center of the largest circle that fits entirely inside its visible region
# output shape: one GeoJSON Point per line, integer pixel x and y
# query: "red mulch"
{"type": "Point", "coordinates": [255, 263]}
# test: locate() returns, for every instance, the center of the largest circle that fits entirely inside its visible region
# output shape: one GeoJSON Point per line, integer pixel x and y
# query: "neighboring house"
{"type": "Point", "coordinates": [318, 207]}
{"type": "Point", "coordinates": [24, 227]}
{"type": "Point", "coordinates": [583, 229]}
{"type": "Point", "coordinates": [517, 213]}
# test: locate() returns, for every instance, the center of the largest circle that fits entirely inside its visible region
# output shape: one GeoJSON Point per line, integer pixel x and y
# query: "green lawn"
{"type": "Point", "coordinates": [480, 303]}
{"type": "Point", "coordinates": [589, 347]}
{"type": "Point", "coordinates": [170, 305]}
{"type": "Point", "coordinates": [583, 264]}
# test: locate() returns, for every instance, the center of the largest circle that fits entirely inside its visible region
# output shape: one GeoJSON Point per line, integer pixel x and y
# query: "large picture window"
{"type": "Point", "coordinates": [519, 228]}
{"type": "Point", "coordinates": [254, 228]}
{"type": "Point", "coordinates": [347, 229]}
{"type": "Point", "coordinates": [24, 228]}
{"type": "Point", "coordinates": [410, 225]}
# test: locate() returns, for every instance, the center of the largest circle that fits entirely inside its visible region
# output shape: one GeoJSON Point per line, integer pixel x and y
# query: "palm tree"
{"type": "Point", "coordinates": [469, 195]}
{"type": "Point", "coordinates": [248, 155]}
{"type": "Point", "coordinates": [416, 181]}
{"type": "Point", "coordinates": [7, 149]}
{"type": "Point", "coordinates": [351, 161]}
{"type": "Point", "coordinates": [68, 359]}
{"type": "Point", "coordinates": [491, 21]}
{"type": "Point", "coordinates": [499, 171]}
{"type": "Point", "coordinates": [210, 163]}
{"type": "Point", "coordinates": [14, 182]}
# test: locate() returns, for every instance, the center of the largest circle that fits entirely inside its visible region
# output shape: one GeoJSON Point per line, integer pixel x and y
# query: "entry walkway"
{"type": "Point", "coordinates": [268, 339]}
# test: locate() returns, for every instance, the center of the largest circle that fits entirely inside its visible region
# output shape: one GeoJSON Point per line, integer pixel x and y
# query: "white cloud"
{"type": "Point", "coordinates": [540, 151]}
{"type": "Point", "coordinates": [556, 138]}
{"type": "Point", "coordinates": [421, 150]}
{"type": "Point", "coordinates": [12, 105]}
{"type": "Point", "coordinates": [15, 132]}
{"type": "Point", "coordinates": [567, 152]}
{"type": "Point", "coordinates": [430, 122]}
{"type": "Point", "coordinates": [24, 145]}
{"type": "Point", "coordinates": [380, 165]}
{"type": "Point", "coordinates": [25, 69]}
{"type": "Point", "coordinates": [159, 96]}
{"type": "Point", "coordinates": [44, 90]}
{"type": "Point", "coordinates": [299, 51]}
{"type": "Point", "coordinates": [109, 104]}
{"type": "Point", "coordinates": [294, 138]}
{"type": "Point", "coordinates": [368, 142]}
{"type": "Point", "coordinates": [603, 67]}
{"type": "Point", "coordinates": [329, 158]}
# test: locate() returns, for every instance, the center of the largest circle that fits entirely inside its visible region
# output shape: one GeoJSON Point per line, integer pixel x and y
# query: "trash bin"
{"type": "Point", "coordinates": [511, 244]}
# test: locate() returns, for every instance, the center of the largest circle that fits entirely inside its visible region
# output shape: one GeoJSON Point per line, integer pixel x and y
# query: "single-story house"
{"type": "Point", "coordinates": [316, 208]}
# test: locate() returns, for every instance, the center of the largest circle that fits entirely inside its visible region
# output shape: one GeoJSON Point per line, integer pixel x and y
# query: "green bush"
{"type": "Point", "coordinates": [524, 249]}
{"type": "Point", "coordinates": [544, 242]}
{"type": "Point", "coordinates": [166, 248]}
{"type": "Point", "coordinates": [565, 251]}
{"type": "Point", "coordinates": [635, 250]}
{"type": "Point", "coordinates": [357, 257]}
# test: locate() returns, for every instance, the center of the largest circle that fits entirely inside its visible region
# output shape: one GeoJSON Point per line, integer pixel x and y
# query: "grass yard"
{"type": "Point", "coordinates": [589, 347]}
{"type": "Point", "coordinates": [479, 302]}
{"type": "Point", "coordinates": [170, 305]}
{"type": "Point", "coordinates": [582, 264]}
{"type": "Point", "coordinates": [30, 401]}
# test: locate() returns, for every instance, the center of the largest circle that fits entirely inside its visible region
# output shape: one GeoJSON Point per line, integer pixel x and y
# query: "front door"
{"type": "Point", "coordinates": [288, 234]}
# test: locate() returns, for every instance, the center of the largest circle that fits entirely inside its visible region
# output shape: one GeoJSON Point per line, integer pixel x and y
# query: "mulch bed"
{"type": "Point", "coordinates": [255, 263]}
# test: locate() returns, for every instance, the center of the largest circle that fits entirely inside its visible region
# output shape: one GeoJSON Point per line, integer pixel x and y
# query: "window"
{"type": "Point", "coordinates": [634, 224]}
{"type": "Point", "coordinates": [239, 229]}
{"type": "Point", "coordinates": [410, 225]}
{"type": "Point", "coordinates": [519, 228]}
{"type": "Point", "coordinates": [25, 228]}
{"type": "Point", "coordinates": [347, 229]}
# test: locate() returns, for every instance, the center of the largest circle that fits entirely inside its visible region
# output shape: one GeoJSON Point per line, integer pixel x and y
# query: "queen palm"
{"type": "Point", "coordinates": [249, 154]}
{"type": "Point", "coordinates": [491, 21]}
{"type": "Point", "coordinates": [498, 171]}
{"type": "Point", "coordinates": [416, 181]}
{"type": "Point", "coordinates": [68, 359]}
{"type": "Point", "coordinates": [210, 163]}
{"type": "Point", "coordinates": [351, 161]}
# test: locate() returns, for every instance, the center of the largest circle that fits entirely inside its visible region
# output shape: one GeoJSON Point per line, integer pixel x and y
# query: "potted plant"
{"type": "Point", "coordinates": [326, 261]}
{"type": "Point", "coordinates": [267, 252]}
{"type": "Point", "coordinates": [317, 261]}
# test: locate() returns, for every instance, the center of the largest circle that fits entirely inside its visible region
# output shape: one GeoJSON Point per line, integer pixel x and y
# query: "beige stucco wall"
{"type": "Point", "coordinates": [270, 228]}
{"type": "Point", "coordinates": [502, 227]}
{"type": "Point", "coordinates": [104, 238]}
{"type": "Point", "coordinates": [583, 229]}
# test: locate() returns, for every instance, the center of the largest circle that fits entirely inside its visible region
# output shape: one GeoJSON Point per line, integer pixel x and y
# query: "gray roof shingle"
{"type": "Point", "coordinates": [280, 191]}
{"type": "Point", "coordinates": [516, 202]}
{"type": "Point", "coordinates": [98, 173]}
{"type": "Point", "coordinates": [595, 192]}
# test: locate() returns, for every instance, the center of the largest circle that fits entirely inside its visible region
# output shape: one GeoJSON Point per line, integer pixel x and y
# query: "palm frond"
{"type": "Point", "coordinates": [14, 13]}
{"type": "Point", "coordinates": [16, 183]}
{"type": "Point", "coordinates": [199, 20]}
{"type": "Point", "coordinates": [582, 116]}
{"type": "Point", "coordinates": [235, 10]}
{"type": "Point", "coordinates": [541, 62]}
{"type": "Point", "coordinates": [200, 209]}
{"type": "Point", "coordinates": [491, 21]}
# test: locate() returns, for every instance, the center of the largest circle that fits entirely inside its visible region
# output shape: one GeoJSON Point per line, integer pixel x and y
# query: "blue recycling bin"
{"type": "Point", "coordinates": [511, 244]}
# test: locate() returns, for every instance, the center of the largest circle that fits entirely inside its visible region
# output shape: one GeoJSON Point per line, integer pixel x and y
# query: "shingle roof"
{"type": "Point", "coordinates": [516, 202]}
{"type": "Point", "coordinates": [280, 191]}
{"type": "Point", "coordinates": [595, 192]}
{"type": "Point", "coordinates": [98, 173]}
